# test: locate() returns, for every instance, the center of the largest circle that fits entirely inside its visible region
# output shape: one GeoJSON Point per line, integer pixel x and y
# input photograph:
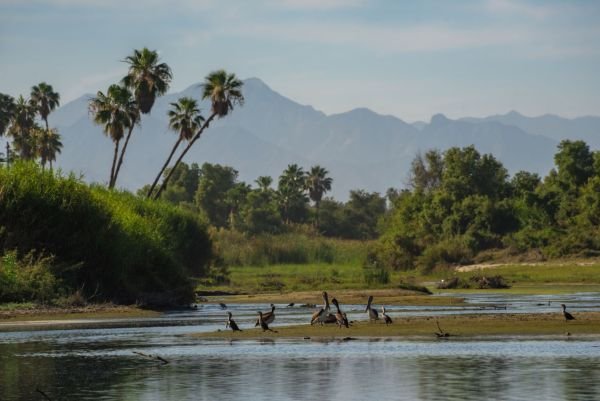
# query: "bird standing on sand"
{"type": "Point", "coordinates": [268, 317]}
{"type": "Point", "coordinates": [231, 323]}
{"type": "Point", "coordinates": [373, 315]}
{"type": "Point", "coordinates": [566, 314]}
{"type": "Point", "coordinates": [340, 317]}
{"type": "Point", "coordinates": [263, 324]}
{"type": "Point", "coordinates": [386, 318]}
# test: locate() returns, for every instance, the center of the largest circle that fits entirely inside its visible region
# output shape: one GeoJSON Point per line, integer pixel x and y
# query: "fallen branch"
{"type": "Point", "coordinates": [164, 361]}
{"type": "Point", "coordinates": [43, 394]}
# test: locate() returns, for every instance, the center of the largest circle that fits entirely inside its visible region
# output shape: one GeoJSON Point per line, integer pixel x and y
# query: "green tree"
{"type": "Point", "coordinates": [317, 184]}
{"type": "Point", "coordinates": [7, 109]}
{"type": "Point", "coordinates": [147, 77]}
{"type": "Point", "coordinates": [44, 100]}
{"type": "Point", "coordinates": [225, 92]}
{"type": "Point", "coordinates": [264, 182]}
{"type": "Point", "coordinates": [211, 197]}
{"type": "Point", "coordinates": [111, 111]}
{"type": "Point", "coordinates": [185, 119]}
{"type": "Point", "coordinates": [260, 214]}
{"type": "Point", "coordinates": [574, 162]}
{"type": "Point", "coordinates": [23, 123]}
{"type": "Point", "coordinates": [291, 196]}
{"type": "Point", "coordinates": [48, 145]}
{"type": "Point", "coordinates": [426, 171]}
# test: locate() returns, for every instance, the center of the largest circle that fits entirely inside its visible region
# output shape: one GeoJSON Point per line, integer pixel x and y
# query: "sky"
{"type": "Point", "coordinates": [411, 59]}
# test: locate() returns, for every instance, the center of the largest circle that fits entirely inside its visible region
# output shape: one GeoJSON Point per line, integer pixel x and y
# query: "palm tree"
{"type": "Point", "coordinates": [224, 91]}
{"type": "Point", "coordinates": [108, 111]}
{"type": "Point", "coordinates": [7, 109]}
{"type": "Point", "coordinates": [44, 100]}
{"type": "Point", "coordinates": [146, 77]}
{"type": "Point", "coordinates": [23, 122]}
{"type": "Point", "coordinates": [48, 144]}
{"type": "Point", "coordinates": [290, 189]}
{"type": "Point", "coordinates": [185, 119]}
{"type": "Point", "coordinates": [131, 107]}
{"type": "Point", "coordinates": [264, 182]}
{"type": "Point", "coordinates": [317, 183]}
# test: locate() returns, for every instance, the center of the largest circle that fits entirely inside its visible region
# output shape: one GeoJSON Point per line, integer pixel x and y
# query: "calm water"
{"type": "Point", "coordinates": [99, 364]}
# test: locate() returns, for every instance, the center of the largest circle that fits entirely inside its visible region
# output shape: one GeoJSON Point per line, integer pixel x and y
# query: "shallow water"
{"type": "Point", "coordinates": [99, 364]}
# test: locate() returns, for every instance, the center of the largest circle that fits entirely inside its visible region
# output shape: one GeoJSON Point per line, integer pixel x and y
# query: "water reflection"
{"type": "Point", "coordinates": [305, 370]}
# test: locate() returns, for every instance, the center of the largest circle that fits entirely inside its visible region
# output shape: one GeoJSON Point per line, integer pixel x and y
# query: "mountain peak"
{"type": "Point", "coordinates": [439, 119]}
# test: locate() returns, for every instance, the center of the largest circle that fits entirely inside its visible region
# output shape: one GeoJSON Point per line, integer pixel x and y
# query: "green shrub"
{"type": "Point", "coordinates": [128, 248]}
{"type": "Point", "coordinates": [27, 279]}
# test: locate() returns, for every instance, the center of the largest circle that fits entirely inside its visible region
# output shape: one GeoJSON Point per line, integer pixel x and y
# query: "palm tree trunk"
{"type": "Point", "coordinates": [114, 180]}
{"type": "Point", "coordinates": [46, 121]}
{"type": "Point", "coordinates": [160, 173]}
{"type": "Point", "coordinates": [112, 170]}
{"type": "Point", "coordinates": [50, 165]}
{"type": "Point", "coordinates": [194, 139]}
{"type": "Point", "coordinates": [317, 204]}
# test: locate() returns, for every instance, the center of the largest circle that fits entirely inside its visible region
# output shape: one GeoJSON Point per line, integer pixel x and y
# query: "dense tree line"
{"type": "Point", "coordinates": [297, 198]}
{"type": "Point", "coordinates": [461, 203]}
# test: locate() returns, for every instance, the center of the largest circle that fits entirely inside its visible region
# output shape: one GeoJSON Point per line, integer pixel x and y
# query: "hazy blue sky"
{"type": "Point", "coordinates": [406, 58]}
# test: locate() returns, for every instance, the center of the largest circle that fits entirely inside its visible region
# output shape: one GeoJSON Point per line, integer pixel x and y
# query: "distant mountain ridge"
{"type": "Point", "coordinates": [361, 148]}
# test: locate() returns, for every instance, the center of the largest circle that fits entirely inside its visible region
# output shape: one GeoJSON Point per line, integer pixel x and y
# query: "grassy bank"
{"type": "Point", "coordinates": [551, 277]}
{"type": "Point", "coordinates": [61, 237]}
{"type": "Point", "coordinates": [10, 313]}
{"type": "Point", "coordinates": [460, 326]}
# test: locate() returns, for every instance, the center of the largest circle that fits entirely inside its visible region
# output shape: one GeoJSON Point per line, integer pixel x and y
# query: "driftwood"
{"type": "Point", "coordinates": [156, 357]}
{"type": "Point", "coordinates": [441, 333]}
{"type": "Point", "coordinates": [37, 390]}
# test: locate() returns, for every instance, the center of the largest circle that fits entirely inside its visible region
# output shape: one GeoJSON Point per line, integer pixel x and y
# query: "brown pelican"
{"type": "Point", "coordinates": [566, 314]}
{"type": "Point", "coordinates": [264, 324]}
{"type": "Point", "coordinates": [373, 315]}
{"type": "Point", "coordinates": [340, 317]}
{"type": "Point", "coordinates": [322, 314]}
{"type": "Point", "coordinates": [268, 317]}
{"type": "Point", "coordinates": [386, 318]}
{"type": "Point", "coordinates": [231, 323]}
{"type": "Point", "coordinates": [222, 305]}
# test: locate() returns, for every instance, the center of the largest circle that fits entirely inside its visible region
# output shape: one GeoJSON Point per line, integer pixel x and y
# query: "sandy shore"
{"type": "Point", "coordinates": [459, 326]}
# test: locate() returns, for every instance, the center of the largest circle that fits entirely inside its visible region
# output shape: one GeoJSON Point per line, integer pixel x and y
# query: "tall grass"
{"type": "Point", "coordinates": [113, 244]}
{"type": "Point", "coordinates": [237, 249]}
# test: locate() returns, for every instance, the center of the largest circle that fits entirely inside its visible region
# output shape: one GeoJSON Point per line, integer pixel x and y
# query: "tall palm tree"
{"type": "Point", "coordinates": [147, 78]}
{"type": "Point", "coordinates": [317, 184]}
{"type": "Point", "coordinates": [290, 190]}
{"type": "Point", "coordinates": [264, 182]}
{"type": "Point", "coordinates": [7, 109]}
{"type": "Point", "coordinates": [185, 119]}
{"type": "Point", "coordinates": [48, 145]}
{"type": "Point", "coordinates": [131, 107]}
{"type": "Point", "coordinates": [225, 92]}
{"type": "Point", "coordinates": [23, 122]}
{"type": "Point", "coordinates": [44, 100]}
{"type": "Point", "coordinates": [108, 111]}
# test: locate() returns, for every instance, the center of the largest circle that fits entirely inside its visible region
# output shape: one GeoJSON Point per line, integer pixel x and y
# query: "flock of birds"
{"type": "Point", "coordinates": [324, 316]}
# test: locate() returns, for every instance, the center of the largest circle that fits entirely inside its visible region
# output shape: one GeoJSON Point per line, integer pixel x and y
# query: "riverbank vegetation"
{"type": "Point", "coordinates": [61, 238]}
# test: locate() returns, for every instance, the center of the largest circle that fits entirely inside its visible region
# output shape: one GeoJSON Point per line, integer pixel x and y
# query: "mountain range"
{"type": "Point", "coordinates": [360, 148]}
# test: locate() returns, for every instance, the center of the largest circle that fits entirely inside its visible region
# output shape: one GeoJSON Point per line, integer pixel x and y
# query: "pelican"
{"type": "Point", "coordinates": [263, 324]}
{"type": "Point", "coordinates": [566, 314]}
{"type": "Point", "coordinates": [386, 318]}
{"type": "Point", "coordinates": [340, 317]}
{"type": "Point", "coordinates": [321, 315]}
{"type": "Point", "coordinates": [231, 323]}
{"type": "Point", "coordinates": [268, 317]}
{"type": "Point", "coordinates": [222, 305]}
{"type": "Point", "coordinates": [373, 315]}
